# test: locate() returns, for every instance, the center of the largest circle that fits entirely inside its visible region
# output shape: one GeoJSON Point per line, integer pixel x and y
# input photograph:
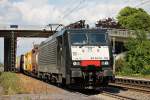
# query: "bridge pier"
{"type": "Point", "coordinates": [10, 34]}
{"type": "Point", "coordinates": [10, 52]}
{"type": "Point", "coordinates": [118, 46]}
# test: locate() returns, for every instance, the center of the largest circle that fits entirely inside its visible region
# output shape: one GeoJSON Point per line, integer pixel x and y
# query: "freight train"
{"type": "Point", "coordinates": [72, 57]}
{"type": "Point", "coordinates": [28, 62]}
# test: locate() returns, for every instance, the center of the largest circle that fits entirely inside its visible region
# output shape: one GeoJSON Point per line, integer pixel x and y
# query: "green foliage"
{"type": "Point", "coordinates": [146, 70]}
{"type": "Point", "coordinates": [122, 68]}
{"type": "Point", "coordinates": [126, 71]}
{"type": "Point", "coordinates": [137, 60]}
{"type": "Point", "coordinates": [10, 83]}
{"type": "Point", "coordinates": [119, 64]}
{"type": "Point", "coordinates": [135, 19]}
{"type": "Point", "coordinates": [138, 55]}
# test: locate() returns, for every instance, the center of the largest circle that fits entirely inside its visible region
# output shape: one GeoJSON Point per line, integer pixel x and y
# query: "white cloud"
{"type": "Point", "coordinates": [37, 12]}
{"type": "Point", "coordinates": [43, 12]}
{"type": "Point", "coordinates": [26, 44]}
{"type": "Point", "coordinates": [34, 12]}
{"type": "Point", "coordinates": [94, 13]}
{"type": "Point", "coordinates": [3, 1]}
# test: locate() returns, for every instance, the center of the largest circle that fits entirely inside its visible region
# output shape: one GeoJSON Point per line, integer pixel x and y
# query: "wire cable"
{"type": "Point", "coordinates": [143, 3]}
{"type": "Point", "coordinates": [72, 10]}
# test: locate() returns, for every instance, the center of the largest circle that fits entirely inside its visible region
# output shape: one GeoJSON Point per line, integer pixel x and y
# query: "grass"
{"type": "Point", "coordinates": [11, 83]}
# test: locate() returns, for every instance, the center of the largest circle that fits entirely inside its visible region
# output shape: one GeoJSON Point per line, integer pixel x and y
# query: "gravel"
{"type": "Point", "coordinates": [39, 90]}
{"type": "Point", "coordinates": [136, 95]}
{"type": "Point", "coordinates": [1, 90]}
{"type": "Point", "coordinates": [128, 93]}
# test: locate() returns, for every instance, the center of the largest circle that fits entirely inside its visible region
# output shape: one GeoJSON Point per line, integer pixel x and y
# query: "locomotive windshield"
{"type": "Point", "coordinates": [88, 38]}
{"type": "Point", "coordinates": [78, 38]}
{"type": "Point", "coordinates": [95, 38]}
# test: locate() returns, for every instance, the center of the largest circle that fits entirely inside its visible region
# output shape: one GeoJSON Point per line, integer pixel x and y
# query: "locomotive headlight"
{"type": "Point", "coordinates": [105, 63]}
{"type": "Point", "coordinates": [76, 63]}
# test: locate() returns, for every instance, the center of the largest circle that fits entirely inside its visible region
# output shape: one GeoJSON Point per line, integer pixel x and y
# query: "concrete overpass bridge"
{"type": "Point", "coordinates": [11, 32]}
{"type": "Point", "coordinates": [119, 37]}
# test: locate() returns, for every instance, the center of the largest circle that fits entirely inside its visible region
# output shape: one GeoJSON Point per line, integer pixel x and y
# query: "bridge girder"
{"type": "Point", "coordinates": [10, 43]}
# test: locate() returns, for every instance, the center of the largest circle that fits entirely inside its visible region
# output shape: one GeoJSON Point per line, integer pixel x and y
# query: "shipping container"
{"type": "Point", "coordinates": [28, 61]}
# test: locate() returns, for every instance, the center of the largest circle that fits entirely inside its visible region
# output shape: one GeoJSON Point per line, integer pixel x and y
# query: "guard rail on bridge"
{"type": "Point", "coordinates": [50, 27]}
{"type": "Point", "coordinates": [123, 33]}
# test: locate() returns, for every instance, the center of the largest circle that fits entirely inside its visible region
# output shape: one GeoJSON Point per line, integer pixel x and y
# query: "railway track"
{"type": "Point", "coordinates": [88, 93]}
{"type": "Point", "coordinates": [117, 96]}
{"type": "Point", "coordinates": [109, 95]}
{"type": "Point", "coordinates": [108, 92]}
{"type": "Point", "coordinates": [140, 85]}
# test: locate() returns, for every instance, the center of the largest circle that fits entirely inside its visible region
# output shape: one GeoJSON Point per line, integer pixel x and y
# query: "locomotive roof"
{"type": "Point", "coordinates": [59, 33]}
{"type": "Point", "coordinates": [87, 30]}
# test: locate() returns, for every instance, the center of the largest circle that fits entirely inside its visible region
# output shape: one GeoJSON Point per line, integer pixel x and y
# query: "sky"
{"type": "Point", "coordinates": [43, 12]}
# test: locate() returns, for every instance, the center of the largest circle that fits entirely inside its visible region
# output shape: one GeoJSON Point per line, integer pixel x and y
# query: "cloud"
{"type": "Point", "coordinates": [94, 13]}
{"type": "Point", "coordinates": [39, 12]}
{"type": "Point", "coordinates": [3, 2]}
{"type": "Point", "coordinates": [26, 44]}
{"type": "Point", "coordinates": [43, 12]}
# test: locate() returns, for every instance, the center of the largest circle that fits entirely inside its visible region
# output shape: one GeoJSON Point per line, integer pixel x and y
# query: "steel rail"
{"type": "Point", "coordinates": [141, 85]}
{"type": "Point", "coordinates": [117, 96]}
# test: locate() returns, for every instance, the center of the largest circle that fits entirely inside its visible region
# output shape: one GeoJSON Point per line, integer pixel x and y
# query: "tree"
{"type": "Point", "coordinates": [134, 18]}
{"type": "Point", "coordinates": [138, 56]}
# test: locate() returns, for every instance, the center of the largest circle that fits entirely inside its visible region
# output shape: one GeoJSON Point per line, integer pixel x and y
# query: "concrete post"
{"type": "Point", "coordinates": [114, 45]}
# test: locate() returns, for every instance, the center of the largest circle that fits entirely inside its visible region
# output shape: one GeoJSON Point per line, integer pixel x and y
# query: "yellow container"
{"type": "Point", "coordinates": [28, 61]}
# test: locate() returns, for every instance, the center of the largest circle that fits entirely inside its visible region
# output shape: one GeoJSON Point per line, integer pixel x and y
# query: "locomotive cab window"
{"type": "Point", "coordinates": [78, 38]}
{"type": "Point", "coordinates": [88, 38]}
{"type": "Point", "coordinates": [96, 38]}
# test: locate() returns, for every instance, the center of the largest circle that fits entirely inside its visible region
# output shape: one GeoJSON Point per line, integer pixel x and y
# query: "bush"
{"type": "Point", "coordinates": [126, 70]}
{"type": "Point", "coordinates": [146, 70]}
{"type": "Point", "coordinates": [119, 64]}
{"type": "Point", "coordinates": [138, 55]}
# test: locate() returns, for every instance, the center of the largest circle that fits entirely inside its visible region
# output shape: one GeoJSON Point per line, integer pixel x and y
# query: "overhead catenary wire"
{"type": "Point", "coordinates": [143, 3]}
{"type": "Point", "coordinates": [67, 8]}
{"type": "Point", "coordinates": [138, 5]}
{"type": "Point", "coordinates": [78, 7]}
{"type": "Point", "coordinates": [72, 10]}
{"type": "Point", "coordinates": [25, 39]}
{"type": "Point", "coordinates": [67, 12]}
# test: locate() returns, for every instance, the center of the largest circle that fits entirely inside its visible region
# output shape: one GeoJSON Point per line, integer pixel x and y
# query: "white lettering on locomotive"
{"type": "Point", "coordinates": [90, 53]}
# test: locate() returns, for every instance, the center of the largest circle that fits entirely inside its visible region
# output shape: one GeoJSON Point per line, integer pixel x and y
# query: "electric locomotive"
{"type": "Point", "coordinates": [77, 57]}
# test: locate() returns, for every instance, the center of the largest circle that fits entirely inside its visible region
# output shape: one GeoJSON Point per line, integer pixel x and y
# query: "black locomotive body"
{"type": "Point", "coordinates": [77, 57]}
